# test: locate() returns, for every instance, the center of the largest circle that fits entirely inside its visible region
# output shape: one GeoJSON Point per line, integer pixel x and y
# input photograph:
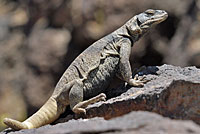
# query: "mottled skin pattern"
{"type": "Point", "coordinates": [90, 74]}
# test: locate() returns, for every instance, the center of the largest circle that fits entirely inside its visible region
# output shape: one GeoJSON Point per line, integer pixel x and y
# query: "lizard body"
{"type": "Point", "coordinates": [89, 75]}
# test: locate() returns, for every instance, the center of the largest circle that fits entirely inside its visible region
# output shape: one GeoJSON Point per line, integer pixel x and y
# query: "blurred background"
{"type": "Point", "coordinates": [40, 38]}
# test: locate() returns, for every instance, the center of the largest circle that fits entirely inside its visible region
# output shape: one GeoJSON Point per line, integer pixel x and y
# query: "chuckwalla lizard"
{"type": "Point", "coordinates": [89, 75]}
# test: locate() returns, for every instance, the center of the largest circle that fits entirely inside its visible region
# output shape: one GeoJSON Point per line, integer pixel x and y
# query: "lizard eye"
{"type": "Point", "coordinates": [150, 11]}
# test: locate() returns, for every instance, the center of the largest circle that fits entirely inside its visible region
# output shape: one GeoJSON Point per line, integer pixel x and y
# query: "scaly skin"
{"type": "Point", "coordinates": [89, 75]}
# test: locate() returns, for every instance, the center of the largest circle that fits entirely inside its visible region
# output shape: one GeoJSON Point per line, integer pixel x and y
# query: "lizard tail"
{"type": "Point", "coordinates": [48, 113]}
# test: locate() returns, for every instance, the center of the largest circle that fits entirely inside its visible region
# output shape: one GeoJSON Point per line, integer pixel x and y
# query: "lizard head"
{"type": "Point", "coordinates": [144, 21]}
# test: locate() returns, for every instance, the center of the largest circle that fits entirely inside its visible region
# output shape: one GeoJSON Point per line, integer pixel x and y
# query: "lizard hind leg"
{"type": "Point", "coordinates": [84, 104]}
{"type": "Point", "coordinates": [76, 98]}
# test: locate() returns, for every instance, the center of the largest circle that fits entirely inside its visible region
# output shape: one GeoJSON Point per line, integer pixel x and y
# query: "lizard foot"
{"type": "Point", "coordinates": [79, 110]}
{"type": "Point", "coordinates": [137, 81]}
{"type": "Point", "coordinates": [80, 107]}
{"type": "Point", "coordinates": [101, 97]}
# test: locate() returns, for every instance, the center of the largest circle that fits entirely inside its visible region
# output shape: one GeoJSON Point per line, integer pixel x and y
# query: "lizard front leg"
{"type": "Point", "coordinates": [125, 72]}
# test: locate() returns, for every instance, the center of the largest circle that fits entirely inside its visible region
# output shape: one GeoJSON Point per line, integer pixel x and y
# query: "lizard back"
{"type": "Point", "coordinates": [95, 66]}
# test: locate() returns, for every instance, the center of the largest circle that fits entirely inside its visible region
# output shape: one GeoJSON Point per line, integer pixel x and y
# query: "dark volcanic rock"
{"type": "Point", "coordinates": [134, 122]}
{"type": "Point", "coordinates": [172, 92]}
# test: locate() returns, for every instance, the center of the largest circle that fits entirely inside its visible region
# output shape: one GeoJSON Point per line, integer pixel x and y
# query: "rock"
{"type": "Point", "coordinates": [172, 92]}
{"type": "Point", "coordinates": [134, 122]}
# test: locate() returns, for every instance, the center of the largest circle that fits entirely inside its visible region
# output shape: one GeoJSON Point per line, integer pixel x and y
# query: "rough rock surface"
{"type": "Point", "coordinates": [134, 122]}
{"type": "Point", "coordinates": [171, 91]}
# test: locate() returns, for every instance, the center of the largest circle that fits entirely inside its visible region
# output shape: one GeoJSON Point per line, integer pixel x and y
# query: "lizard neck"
{"type": "Point", "coordinates": [123, 31]}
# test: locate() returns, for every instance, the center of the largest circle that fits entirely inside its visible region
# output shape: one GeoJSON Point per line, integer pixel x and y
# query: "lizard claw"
{"type": "Point", "coordinates": [102, 97]}
{"type": "Point", "coordinates": [138, 81]}
{"type": "Point", "coordinates": [142, 78]}
{"type": "Point", "coordinates": [84, 111]}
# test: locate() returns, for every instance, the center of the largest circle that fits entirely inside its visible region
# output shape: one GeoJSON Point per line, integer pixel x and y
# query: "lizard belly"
{"type": "Point", "coordinates": [99, 79]}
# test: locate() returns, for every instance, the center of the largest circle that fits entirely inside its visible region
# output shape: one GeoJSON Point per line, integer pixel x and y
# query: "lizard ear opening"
{"type": "Point", "coordinates": [134, 30]}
